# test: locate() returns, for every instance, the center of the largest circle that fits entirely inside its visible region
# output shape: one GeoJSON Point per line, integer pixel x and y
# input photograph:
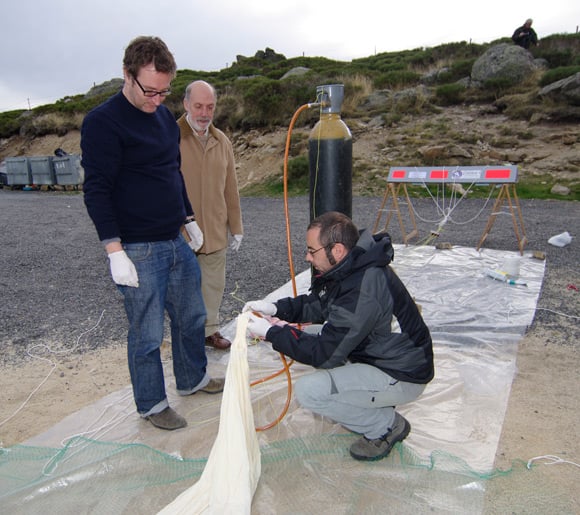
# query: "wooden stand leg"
{"type": "Point", "coordinates": [516, 214]}
{"type": "Point", "coordinates": [391, 193]}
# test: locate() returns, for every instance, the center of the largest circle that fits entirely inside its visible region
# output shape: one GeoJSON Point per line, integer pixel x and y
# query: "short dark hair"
{"type": "Point", "coordinates": [335, 227]}
{"type": "Point", "coordinates": [145, 50]}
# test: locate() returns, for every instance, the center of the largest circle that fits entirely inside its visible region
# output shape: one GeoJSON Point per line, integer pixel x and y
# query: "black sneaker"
{"type": "Point", "coordinates": [379, 448]}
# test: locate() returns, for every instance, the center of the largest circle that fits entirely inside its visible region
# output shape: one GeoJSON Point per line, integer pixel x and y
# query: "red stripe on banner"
{"type": "Point", "coordinates": [439, 174]}
{"type": "Point", "coordinates": [498, 174]}
{"type": "Point", "coordinates": [399, 174]}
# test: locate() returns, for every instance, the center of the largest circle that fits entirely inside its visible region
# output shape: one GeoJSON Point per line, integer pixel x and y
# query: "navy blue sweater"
{"type": "Point", "coordinates": [133, 186]}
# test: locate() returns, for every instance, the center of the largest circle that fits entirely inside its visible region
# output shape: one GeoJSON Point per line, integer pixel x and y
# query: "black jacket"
{"type": "Point", "coordinates": [356, 301]}
{"type": "Point", "coordinates": [525, 36]}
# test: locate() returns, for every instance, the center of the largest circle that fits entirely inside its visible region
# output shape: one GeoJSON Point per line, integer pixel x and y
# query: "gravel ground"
{"type": "Point", "coordinates": [56, 288]}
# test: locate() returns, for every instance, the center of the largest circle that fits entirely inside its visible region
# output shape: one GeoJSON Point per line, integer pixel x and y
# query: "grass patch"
{"type": "Point", "coordinates": [366, 182]}
{"type": "Point", "coordinates": [273, 186]}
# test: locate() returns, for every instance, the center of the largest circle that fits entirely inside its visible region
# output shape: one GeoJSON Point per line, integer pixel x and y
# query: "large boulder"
{"type": "Point", "coordinates": [504, 62]}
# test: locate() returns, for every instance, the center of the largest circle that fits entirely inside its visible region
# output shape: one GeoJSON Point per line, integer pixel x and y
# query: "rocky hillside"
{"type": "Point", "coordinates": [534, 128]}
{"type": "Point", "coordinates": [454, 135]}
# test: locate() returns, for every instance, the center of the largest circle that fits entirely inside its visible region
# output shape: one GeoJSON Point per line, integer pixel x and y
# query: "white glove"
{"type": "Point", "coordinates": [236, 242]}
{"type": "Point", "coordinates": [260, 306]}
{"type": "Point", "coordinates": [195, 234]}
{"type": "Point", "coordinates": [122, 269]}
{"type": "Point", "coordinates": [258, 326]}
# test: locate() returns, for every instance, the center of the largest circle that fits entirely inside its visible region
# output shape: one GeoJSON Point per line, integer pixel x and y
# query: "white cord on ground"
{"type": "Point", "coordinates": [552, 460]}
{"type": "Point", "coordinates": [52, 363]}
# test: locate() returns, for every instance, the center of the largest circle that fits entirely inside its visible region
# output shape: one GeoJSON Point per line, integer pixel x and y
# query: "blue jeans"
{"type": "Point", "coordinates": [169, 279]}
{"type": "Point", "coordinates": [358, 396]}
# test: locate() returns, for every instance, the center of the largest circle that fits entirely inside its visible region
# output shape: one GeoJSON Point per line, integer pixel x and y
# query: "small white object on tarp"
{"type": "Point", "coordinates": [230, 477]}
{"type": "Point", "coordinates": [511, 266]}
{"type": "Point", "coordinates": [561, 240]}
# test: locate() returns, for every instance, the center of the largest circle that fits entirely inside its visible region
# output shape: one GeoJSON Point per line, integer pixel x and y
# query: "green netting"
{"type": "Point", "coordinates": [300, 475]}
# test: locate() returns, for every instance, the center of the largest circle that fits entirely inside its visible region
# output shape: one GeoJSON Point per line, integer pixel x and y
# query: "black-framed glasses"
{"type": "Point", "coordinates": [150, 93]}
{"type": "Point", "coordinates": [314, 251]}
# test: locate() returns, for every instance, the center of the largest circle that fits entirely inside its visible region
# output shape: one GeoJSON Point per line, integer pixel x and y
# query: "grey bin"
{"type": "Point", "coordinates": [41, 170]}
{"type": "Point", "coordinates": [18, 171]}
{"type": "Point", "coordinates": [68, 170]}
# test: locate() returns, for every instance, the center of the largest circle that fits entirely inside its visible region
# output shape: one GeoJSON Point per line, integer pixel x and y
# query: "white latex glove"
{"type": "Point", "coordinates": [122, 269]}
{"type": "Point", "coordinates": [236, 242]}
{"type": "Point", "coordinates": [258, 326]}
{"type": "Point", "coordinates": [195, 234]}
{"type": "Point", "coordinates": [260, 306]}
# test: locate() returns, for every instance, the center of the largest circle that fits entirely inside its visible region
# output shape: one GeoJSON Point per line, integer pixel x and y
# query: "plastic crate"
{"type": "Point", "coordinates": [18, 171]}
{"type": "Point", "coordinates": [68, 170]}
{"type": "Point", "coordinates": [3, 177]}
{"type": "Point", "coordinates": [41, 170]}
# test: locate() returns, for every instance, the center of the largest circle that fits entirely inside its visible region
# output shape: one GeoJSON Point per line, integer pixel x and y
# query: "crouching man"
{"type": "Point", "coordinates": [364, 369]}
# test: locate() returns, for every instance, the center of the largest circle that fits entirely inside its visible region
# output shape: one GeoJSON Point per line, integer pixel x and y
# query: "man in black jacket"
{"type": "Point", "coordinates": [364, 368]}
{"type": "Point", "coordinates": [525, 36]}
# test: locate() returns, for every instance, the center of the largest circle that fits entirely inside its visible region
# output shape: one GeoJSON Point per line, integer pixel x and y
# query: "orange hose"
{"type": "Point", "coordinates": [286, 211]}
{"type": "Point", "coordinates": [286, 365]}
{"type": "Point", "coordinates": [286, 369]}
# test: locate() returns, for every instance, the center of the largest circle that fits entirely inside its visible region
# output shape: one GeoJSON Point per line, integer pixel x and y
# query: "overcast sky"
{"type": "Point", "coordinates": [51, 49]}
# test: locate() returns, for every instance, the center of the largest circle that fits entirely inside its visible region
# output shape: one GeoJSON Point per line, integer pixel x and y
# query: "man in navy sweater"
{"type": "Point", "coordinates": [135, 196]}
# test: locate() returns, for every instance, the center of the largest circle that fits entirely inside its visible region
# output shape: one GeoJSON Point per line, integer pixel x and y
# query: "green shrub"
{"type": "Point", "coordinates": [449, 94]}
{"type": "Point", "coordinates": [262, 99]}
{"type": "Point", "coordinates": [556, 59]}
{"type": "Point", "coordinates": [229, 112]}
{"type": "Point", "coordinates": [557, 74]}
{"type": "Point", "coordinates": [498, 86]}
{"type": "Point", "coordinates": [394, 79]}
{"type": "Point", "coordinates": [10, 122]}
{"type": "Point", "coordinates": [457, 71]}
{"type": "Point", "coordinates": [51, 123]}
{"type": "Point", "coordinates": [298, 168]}
{"type": "Point", "coordinates": [268, 102]}
{"type": "Point", "coordinates": [447, 52]}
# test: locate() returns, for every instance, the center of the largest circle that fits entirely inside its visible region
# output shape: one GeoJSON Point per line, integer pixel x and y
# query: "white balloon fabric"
{"type": "Point", "coordinates": [230, 477]}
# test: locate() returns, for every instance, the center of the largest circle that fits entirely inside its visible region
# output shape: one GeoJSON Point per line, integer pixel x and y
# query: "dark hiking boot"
{"type": "Point", "coordinates": [379, 448]}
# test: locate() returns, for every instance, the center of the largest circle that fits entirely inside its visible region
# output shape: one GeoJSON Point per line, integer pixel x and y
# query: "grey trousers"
{"type": "Point", "coordinates": [360, 397]}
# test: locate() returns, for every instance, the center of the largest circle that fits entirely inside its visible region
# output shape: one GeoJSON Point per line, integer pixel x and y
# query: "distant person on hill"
{"type": "Point", "coordinates": [525, 36]}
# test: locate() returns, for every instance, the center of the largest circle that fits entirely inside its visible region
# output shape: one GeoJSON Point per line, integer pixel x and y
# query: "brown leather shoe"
{"type": "Point", "coordinates": [217, 341]}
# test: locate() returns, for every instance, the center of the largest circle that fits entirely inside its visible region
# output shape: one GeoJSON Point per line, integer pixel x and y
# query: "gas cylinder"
{"type": "Point", "coordinates": [330, 156]}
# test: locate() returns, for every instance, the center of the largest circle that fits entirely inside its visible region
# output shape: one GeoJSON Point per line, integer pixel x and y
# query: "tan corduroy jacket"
{"type": "Point", "coordinates": [212, 187]}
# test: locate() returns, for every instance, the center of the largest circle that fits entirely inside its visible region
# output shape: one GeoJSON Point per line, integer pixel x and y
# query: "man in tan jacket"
{"type": "Point", "coordinates": [207, 165]}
